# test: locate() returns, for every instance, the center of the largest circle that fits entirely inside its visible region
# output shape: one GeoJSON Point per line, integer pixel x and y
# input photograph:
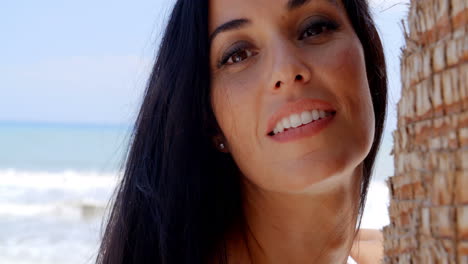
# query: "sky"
{"type": "Point", "coordinates": [88, 61]}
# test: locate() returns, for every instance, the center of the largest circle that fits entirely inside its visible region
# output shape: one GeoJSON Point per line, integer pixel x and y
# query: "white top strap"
{"type": "Point", "coordinates": [351, 260]}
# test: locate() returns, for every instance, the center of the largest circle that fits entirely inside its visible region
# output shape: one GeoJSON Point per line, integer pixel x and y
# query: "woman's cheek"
{"type": "Point", "coordinates": [236, 108]}
{"type": "Point", "coordinates": [346, 76]}
{"type": "Point", "coordinates": [358, 93]}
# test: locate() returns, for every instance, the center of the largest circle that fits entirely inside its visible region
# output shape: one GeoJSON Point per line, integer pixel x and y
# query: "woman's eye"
{"type": "Point", "coordinates": [236, 56]}
{"type": "Point", "coordinates": [318, 28]}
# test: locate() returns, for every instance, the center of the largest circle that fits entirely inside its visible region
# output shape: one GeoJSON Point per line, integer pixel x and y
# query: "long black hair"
{"type": "Point", "coordinates": [179, 195]}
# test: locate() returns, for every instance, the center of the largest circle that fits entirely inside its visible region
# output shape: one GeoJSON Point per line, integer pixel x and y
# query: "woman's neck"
{"type": "Point", "coordinates": [313, 227]}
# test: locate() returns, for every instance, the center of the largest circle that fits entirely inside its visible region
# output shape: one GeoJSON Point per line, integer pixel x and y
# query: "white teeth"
{"type": "Point", "coordinates": [279, 127]}
{"type": "Point", "coordinates": [306, 117]}
{"type": "Point", "coordinates": [315, 114]}
{"type": "Point", "coordinates": [295, 120]}
{"type": "Point", "coordinates": [322, 114]}
{"type": "Point", "coordinates": [286, 123]}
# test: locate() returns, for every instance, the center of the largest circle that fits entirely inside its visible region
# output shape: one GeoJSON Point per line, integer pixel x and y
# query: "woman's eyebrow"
{"type": "Point", "coordinates": [242, 22]}
{"type": "Point", "coordinates": [295, 4]}
{"type": "Point", "coordinates": [231, 25]}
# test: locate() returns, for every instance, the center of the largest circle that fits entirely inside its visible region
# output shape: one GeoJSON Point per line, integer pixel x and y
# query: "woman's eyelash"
{"type": "Point", "coordinates": [229, 54]}
{"type": "Point", "coordinates": [235, 50]}
{"type": "Point", "coordinates": [329, 25]}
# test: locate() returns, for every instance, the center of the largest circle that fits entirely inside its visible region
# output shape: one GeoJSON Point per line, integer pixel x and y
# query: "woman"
{"type": "Point", "coordinates": [256, 138]}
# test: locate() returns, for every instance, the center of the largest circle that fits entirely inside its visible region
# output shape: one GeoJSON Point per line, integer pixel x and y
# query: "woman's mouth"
{"type": "Point", "coordinates": [296, 126]}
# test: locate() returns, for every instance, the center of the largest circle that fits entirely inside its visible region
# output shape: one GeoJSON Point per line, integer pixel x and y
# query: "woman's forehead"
{"type": "Point", "coordinates": [222, 11]}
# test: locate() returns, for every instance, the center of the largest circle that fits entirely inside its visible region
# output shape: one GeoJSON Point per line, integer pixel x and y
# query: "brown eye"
{"type": "Point", "coordinates": [313, 31]}
{"type": "Point", "coordinates": [239, 56]}
{"type": "Point", "coordinates": [318, 28]}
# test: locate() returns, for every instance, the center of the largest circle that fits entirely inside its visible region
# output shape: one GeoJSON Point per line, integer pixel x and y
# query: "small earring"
{"type": "Point", "coordinates": [221, 146]}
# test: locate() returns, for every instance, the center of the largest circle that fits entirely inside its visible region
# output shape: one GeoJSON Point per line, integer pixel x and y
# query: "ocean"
{"type": "Point", "coordinates": [56, 181]}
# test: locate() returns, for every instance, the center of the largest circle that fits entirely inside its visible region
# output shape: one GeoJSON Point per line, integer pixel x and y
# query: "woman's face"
{"type": "Point", "coordinates": [273, 62]}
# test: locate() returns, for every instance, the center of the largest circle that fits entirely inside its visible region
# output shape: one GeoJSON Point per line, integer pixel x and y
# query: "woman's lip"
{"type": "Point", "coordinates": [307, 130]}
{"type": "Point", "coordinates": [297, 107]}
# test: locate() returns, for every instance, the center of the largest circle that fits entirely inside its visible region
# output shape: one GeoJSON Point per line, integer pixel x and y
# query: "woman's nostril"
{"type": "Point", "coordinates": [278, 84]}
{"type": "Point", "coordinates": [298, 77]}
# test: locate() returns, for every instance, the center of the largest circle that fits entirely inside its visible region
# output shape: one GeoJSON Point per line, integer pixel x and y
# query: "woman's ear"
{"type": "Point", "coordinates": [220, 143]}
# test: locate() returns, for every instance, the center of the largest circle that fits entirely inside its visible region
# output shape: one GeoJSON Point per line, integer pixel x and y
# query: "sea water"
{"type": "Point", "coordinates": [56, 181]}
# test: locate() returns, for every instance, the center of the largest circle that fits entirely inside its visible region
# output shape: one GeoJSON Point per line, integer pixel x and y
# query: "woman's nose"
{"type": "Point", "coordinates": [288, 68]}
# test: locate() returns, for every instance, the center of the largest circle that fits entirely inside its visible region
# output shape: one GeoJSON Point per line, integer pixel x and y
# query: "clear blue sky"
{"type": "Point", "coordinates": [87, 61]}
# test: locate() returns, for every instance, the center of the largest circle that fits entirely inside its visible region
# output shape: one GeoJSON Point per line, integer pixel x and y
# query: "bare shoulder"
{"type": "Point", "coordinates": [368, 246]}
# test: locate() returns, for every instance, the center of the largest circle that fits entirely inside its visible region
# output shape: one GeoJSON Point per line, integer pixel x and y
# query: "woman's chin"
{"type": "Point", "coordinates": [300, 178]}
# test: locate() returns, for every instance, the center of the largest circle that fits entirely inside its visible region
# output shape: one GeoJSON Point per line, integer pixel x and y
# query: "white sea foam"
{"type": "Point", "coordinates": [46, 215]}
{"type": "Point", "coordinates": [65, 194]}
